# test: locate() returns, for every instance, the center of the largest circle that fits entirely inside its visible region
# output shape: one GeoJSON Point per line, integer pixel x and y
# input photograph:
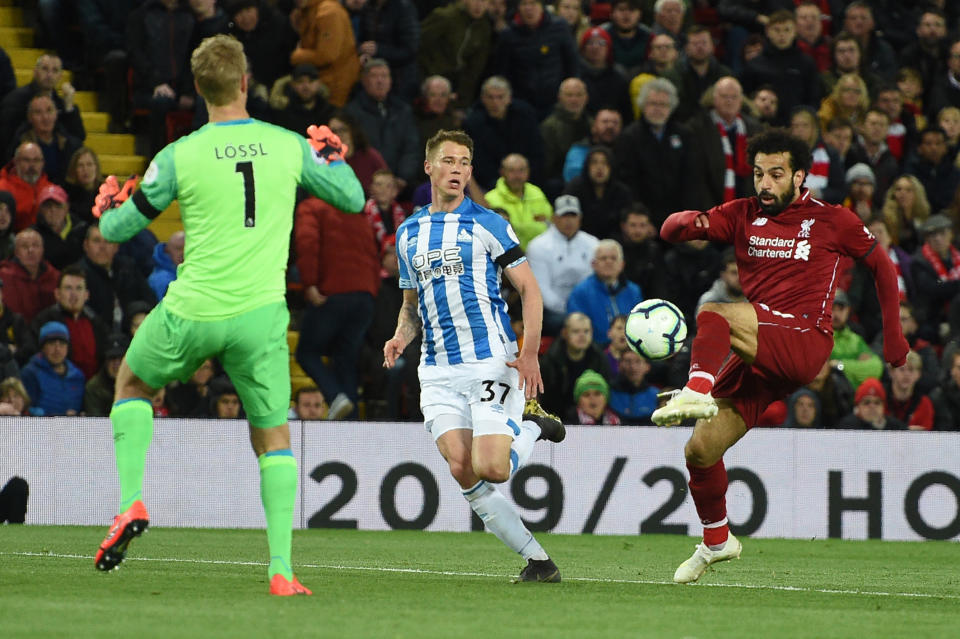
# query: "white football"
{"type": "Point", "coordinates": [656, 329]}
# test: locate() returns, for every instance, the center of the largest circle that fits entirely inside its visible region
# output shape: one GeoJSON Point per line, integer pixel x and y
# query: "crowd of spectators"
{"type": "Point", "coordinates": [592, 122]}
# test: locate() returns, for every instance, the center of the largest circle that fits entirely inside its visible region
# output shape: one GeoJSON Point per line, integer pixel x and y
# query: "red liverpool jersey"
{"type": "Point", "coordinates": [791, 262]}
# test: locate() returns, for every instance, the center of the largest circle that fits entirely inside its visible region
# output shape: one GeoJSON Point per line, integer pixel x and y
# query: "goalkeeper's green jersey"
{"type": "Point", "coordinates": [236, 184]}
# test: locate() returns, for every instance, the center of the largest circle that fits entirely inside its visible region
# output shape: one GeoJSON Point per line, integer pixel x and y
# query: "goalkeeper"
{"type": "Point", "coordinates": [235, 179]}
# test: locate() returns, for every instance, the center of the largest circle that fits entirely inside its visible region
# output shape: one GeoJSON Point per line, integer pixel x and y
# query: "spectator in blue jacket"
{"type": "Point", "coordinates": [167, 256]}
{"type": "Point", "coordinates": [631, 396]}
{"type": "Point", "coordinates": [605, 294]}
{"type": "Point", "coordinates": [54, 383]}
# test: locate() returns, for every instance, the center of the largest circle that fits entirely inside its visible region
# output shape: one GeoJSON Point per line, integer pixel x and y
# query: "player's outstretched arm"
{"type": "Point", "coordinates": [326, 175]}
{"type": "Point", "coordinates": [685, 225]}
{"type": "Point", "coordinates": [527, 364]}
{"type": "Point", "coordinates": [895, 346]}
{"type": "Point", "coordinates": [408, 327]}
{"type": "Point", "coordinates": [119, 217]}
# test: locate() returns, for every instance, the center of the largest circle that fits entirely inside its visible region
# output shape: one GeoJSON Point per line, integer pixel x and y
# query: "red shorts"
{"type": "Point", "coordinates": [790, 352]}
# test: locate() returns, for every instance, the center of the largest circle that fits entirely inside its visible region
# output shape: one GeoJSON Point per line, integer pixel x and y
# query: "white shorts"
{"type": "Point", "coordinates": [482, 396]}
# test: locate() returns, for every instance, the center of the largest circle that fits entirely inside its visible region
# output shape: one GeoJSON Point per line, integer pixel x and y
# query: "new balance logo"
{"type": "Point", "coordinates": [802, 252]}
{"type": "Point", "coordinates": [760, 221]}
{"type": "Point", "coordinates": [805, 228]}
{"type": "Point", "coordinates": [463, 236]}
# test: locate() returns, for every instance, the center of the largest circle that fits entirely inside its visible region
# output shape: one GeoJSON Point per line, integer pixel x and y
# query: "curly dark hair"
{"type": "Point", "coordinates": [779, 140]}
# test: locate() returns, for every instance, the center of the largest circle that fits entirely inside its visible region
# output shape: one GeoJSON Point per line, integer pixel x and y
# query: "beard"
{"type": "Point", "coordinates": [779, 203]}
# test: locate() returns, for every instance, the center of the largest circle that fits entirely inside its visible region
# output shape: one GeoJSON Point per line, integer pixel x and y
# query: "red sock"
{"type": "Point", "coordinates": [710, 348]}
{"type": "Point", "coordinates": [708, 487]}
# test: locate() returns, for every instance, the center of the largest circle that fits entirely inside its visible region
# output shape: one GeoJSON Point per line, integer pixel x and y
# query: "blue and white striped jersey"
{"type": "Point", "coordinates": [454, 261]}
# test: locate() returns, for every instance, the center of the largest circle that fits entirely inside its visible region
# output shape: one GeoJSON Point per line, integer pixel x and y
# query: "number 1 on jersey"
{"type": "Point", "coordinates": [249, 194]}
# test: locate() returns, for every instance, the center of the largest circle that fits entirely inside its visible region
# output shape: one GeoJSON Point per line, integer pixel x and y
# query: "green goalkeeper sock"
{"type": "Point", "coordinates": [132, 421]}
{"type": "Point", "coordinates": [278, 491]}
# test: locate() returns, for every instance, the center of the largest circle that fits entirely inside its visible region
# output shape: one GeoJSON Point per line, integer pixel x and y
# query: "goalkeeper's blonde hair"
{"type": "Point", "coordinates": [217, 65]}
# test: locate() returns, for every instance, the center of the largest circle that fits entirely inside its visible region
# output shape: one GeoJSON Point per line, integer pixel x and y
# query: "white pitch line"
{"type": "Point", "coordinates": [449, 573]}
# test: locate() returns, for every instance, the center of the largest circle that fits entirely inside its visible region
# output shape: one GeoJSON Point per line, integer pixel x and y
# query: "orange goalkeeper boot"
{"type": "Point", "coordinates": [281, 587]}
{"type": "Point", "coordinates": [127, 525]}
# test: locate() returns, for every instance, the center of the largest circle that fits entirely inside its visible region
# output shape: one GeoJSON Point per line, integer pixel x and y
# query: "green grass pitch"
{"type": "Point", "coordinates": [212, 583]}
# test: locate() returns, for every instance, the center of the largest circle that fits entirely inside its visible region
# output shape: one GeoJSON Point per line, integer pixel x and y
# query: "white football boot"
{"type": "Point", "coordinates": [693, 568]}
{"type": "Point", "coordinates": [684, 404]}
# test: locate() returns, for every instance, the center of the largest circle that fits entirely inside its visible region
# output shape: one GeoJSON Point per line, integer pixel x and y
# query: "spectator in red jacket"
{"type": "Point", "coordinates": [339, 267]}
{"type": "Point", "coordinates": [24, 178]}
{"type": "Point", "coordinates": [28, 280]}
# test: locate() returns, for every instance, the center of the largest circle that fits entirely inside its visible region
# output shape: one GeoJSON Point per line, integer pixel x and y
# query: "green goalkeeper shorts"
{"type": "Point", "coordinates": [252, 348]}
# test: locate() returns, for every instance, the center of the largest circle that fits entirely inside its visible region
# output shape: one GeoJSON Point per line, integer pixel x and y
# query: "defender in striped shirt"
{"type": "Point", "coordinates": [474, 384]}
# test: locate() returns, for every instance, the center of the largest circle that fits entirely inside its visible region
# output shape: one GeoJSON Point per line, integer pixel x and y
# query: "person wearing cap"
{"type": "Point", "coordinates": [607, 85]}
{"type": "Point", "coordinates": [934, 168]}
{"type": "Point", "coordinates": [567, 123]}
{"type": "Point", "coordinates": [851, 353]}
{"type": "Point", "coordinates": [88, 334]}
{"type": "Point", "coordinates": [605, 293]}
{"type": "Point", "coordinates": [460, 26]}
{"type": "Point", "coordinates": [299, 101]}
{"type": "Point", "coordinates": [803, 410]}
{"type": "Point", "coordinates": [869, 409]}
{"type": "Point", "coordinates": [54, 383]}
{"type": "Point", "coordinates": [526, 204]}
{"type": "Point", "coordinates": [560, 258]}
{"type": "Point", "coordinates": [99, 391]}
{"type": "Point", "coordinates": [602, 196]}
{"type": "Point", "coordinates": [327, 42]}
{"type": "Point", "coordinates": [629, 37]}
{"type": "Point", "coordinates": [24, 178]}
{"type": "Point", "coordinates": [696, 72]}
{"type": "Point", "coordinates": [62, 233]}
{"type": "Point", "coordinates": [56, 142]}
{"type": "Point", "coordinates": [861, 184]}
{"type": "Point", "coordinates": [29, 280]}
{"type": "Point", "coordinates": [936, 275]}
{"type": "Point", "coordinates": [591, 394]}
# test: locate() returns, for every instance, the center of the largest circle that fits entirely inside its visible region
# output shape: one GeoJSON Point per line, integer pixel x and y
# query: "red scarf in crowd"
{"type": "Point", "coordinates": [736, 157]}
{"type": "Point", "coordinates": [939, 266]}
{"type": "Point", "coordinates": [372, 211]}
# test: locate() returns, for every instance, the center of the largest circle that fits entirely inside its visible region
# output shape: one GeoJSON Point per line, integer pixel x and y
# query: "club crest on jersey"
{"type": "Point", "coordinates": [805, 228]}
{"type": "Point", "coordinates": [438, 263]}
